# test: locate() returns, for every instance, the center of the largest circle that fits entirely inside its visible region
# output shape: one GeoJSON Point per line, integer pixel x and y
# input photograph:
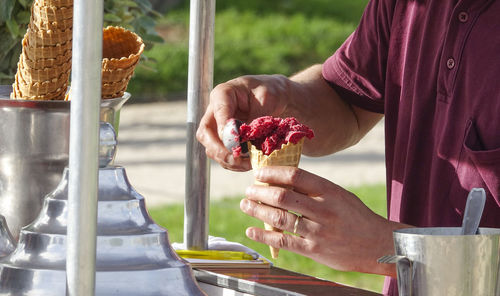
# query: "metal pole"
{"type": "Point", "coordinates": [84, 146]}
{"type": "Point", "coordinates": [200, 81]}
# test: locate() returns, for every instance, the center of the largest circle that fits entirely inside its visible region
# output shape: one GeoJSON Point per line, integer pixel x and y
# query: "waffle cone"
{"type": "Point", "coordinates": [36, 91]}
{"type": "Point", "coordinates": [45, 62]}
{"type": "Point", "coordinates": [62, 22]}
{"type": "Point", "coordinates": [31, 89]}
{"type": "Point", "coordinates": [16, 93]}
{"type": "Point", "coordinates": [33, 58]}
{"type": "Point", "coordinates": [122, 50]}
{"type": "Point", "coordinates": [37, 52]}
{"type": "Point", "coordinates": [42, 83]}
{"type": "Point", "coordinates": [51, 13]}
{"type": "Point", "coordinates": [42, 24]}
{"type": "Point", "coordinates": [114, 89]}
{"type": "Point", "coordinates": [117, 74]}
{"type": "Point", "coordinates": [40, 37]}
{"type": "Point", "coordinates": [42, 74]}
{"type": "Point", "coordinates": [57, 3]}
{"type": "Point", "coordinates": [288, 155]}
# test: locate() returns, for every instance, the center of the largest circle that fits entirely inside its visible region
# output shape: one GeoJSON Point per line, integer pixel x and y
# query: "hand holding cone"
{"type": "Point", "coordinates": [271, 141]}
{"type": "Point", "coordinates": [288, 155]}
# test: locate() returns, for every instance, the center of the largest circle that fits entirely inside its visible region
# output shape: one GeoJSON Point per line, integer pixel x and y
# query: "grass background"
{"type": "Point", "coordinates": [251, 37]}
{"type": "Point", "coordinates": [226, 220]}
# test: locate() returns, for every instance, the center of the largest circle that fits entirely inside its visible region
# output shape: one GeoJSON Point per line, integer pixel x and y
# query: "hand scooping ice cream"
{"type": "Point", "coordinates": [272, 141]}
{"type": "Point", "coordinates": [267, 133]}
{"type": "Point", "coordinates": [232, 140]}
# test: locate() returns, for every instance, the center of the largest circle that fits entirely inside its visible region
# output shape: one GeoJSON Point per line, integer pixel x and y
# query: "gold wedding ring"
{"type": "Point", "coordinates": [296, 224]}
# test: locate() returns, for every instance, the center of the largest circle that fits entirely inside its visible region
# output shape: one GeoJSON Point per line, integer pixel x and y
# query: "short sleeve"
{"type": "Point", "coordinates": [357, 69]}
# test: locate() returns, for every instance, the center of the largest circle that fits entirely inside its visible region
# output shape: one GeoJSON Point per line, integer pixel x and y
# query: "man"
{"type": "Point", "coordinates": [431, 67]}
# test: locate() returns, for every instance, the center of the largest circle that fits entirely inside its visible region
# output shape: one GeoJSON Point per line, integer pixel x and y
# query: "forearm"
{"type": "Point", "coordinates": [379, 245]}
{"type": "Point", "coordinates": [337, 124]}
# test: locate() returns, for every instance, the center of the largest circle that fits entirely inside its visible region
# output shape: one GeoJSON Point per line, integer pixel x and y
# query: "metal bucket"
{"type": "Point", "coordinates": [34, 146]}
{"type": "Point", "coordinates": [440, 261]}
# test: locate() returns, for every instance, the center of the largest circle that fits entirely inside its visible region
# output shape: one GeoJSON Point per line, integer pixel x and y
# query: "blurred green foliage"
{"type": "Point", "coordinates": [342, 10]}
{"type": "Point", "coordinates": [251, 37]}
{"type": "Point", "coordinates": [14, 17]}
{"type": "Point", "coordinates": [136, 15]}
{"type": "Point", "coordinates": [226, 220]}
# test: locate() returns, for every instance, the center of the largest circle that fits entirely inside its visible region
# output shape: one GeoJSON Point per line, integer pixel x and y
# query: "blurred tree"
{"type": "Point", "coordinates": [136, 15]}
{"type": "Point", "coordinates": [162, 6]}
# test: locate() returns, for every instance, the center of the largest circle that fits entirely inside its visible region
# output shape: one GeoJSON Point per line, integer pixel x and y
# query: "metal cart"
{"type": "Point", "coordinates": [81, 185]}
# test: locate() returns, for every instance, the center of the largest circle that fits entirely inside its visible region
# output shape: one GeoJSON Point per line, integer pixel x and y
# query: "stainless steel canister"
{"type": "Point", "coordinates": [441, 261]}
{"type": "Point", "coordinates": [34, 145]}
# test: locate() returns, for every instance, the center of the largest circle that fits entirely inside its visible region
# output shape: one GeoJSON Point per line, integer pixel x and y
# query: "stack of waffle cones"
{"type": "Point", "coordinates": [288, 155]}
{"type": "Point", "coordinates": [121, 52]}
{"type": "Point", "coordinates": [44, 66]}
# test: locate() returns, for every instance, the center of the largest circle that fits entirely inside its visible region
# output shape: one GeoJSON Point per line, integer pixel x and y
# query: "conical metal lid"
{"type": "Point", "coordinates": [134, 256]}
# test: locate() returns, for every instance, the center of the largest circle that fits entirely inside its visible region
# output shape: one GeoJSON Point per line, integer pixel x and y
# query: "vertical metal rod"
{"type": "Point", "coordinates": [84, 145]}
{"type": "Point", "coordinates": [200, 81]}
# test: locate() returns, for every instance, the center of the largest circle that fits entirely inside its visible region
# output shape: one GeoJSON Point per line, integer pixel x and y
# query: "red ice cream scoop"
{"type": "Point", "coordinates": [267, 133]}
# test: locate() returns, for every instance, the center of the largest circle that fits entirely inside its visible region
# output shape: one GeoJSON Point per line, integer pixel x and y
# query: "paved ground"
{"type": "Point", "coordinates": [152, 148]}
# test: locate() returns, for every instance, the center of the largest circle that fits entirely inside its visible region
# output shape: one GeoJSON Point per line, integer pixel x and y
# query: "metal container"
{"type": "Point", "coordinates": [34, 147]}
{"type": "Point", "coordinates": [439, 261]}
{"type": "Point", "coordinates": [133, 257]}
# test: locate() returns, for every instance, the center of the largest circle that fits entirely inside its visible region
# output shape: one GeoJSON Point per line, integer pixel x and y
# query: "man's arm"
{"type": "Point", "coordinates": [336, 123]}
{"type": "Point", "coordinates": [306, 96]}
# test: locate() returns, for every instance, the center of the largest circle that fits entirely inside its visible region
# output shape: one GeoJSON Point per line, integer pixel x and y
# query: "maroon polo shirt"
{"type": "Point", "coordinates": [433, 68]}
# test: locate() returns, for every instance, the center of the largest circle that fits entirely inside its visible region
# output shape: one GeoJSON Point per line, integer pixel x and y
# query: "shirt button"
{"type": "Point", "coordinates": [450, 63]}
{"type": "Point", "coordinates": [463, 16]}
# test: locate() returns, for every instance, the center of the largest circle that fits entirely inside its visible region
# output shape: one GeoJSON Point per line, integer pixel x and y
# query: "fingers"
{"type": "Point", "coordinates": [279, 218]}
{"type": "Point", "coordinates": [298, 179]}
{"type": "Point", "coordinates": [284, 198]}
{"type": "Point", "coordinates": [280, 240]}
{"type": "Point", "coordinates": [207, 135]}
{"type": "Point", "coordinates": [222, 105]}
{"type": "Point", "coordinates": [226, 100]}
